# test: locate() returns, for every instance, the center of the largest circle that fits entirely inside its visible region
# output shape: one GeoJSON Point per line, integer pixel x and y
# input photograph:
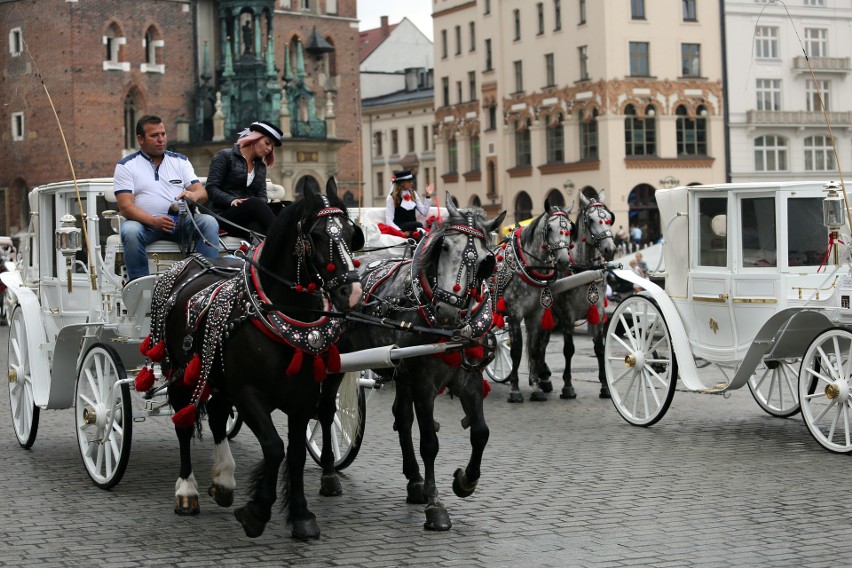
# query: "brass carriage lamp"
{"type": "Point", "coordinates": [67, 241]}
{"type": "Point", "coordinates": [833, 209]}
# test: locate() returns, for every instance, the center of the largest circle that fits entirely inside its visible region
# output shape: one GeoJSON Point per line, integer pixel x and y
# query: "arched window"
{"type": "Point", "coordinates": [770, 153]}
{"type": "Point", "coordinates": [131, 115]}
{"type": "Point", "coordinates": [819, 154]}
{"type": "Point", "coordinates": [555, 198]}
{"type": "Point", "coordinates": [640, 133]}
{"type": "Point", "coordinates": [114, 41]}
{"type": "Point", "coordinates": [589, 135]}
{"type": "Point", "coordinates": [523, 206]}
{"type": "Point", "coordinates": [331, 59]}
{"type": "Point", "coordinates": [555, 142]}
{"type": "Point", "coordinates": [691, 132]}
{"type": "Point", "coordinates": [523, 155]}
{"type": "Point", "coordinates": [349, 199]}
{"type": "Point", "coordinates": [153, 52]}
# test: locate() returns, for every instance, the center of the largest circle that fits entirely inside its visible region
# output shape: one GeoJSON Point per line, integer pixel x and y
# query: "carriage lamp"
{"type": "Point", "coordinates": [833, 210]}
{"type": "Point", "coordinates": [68, 238]}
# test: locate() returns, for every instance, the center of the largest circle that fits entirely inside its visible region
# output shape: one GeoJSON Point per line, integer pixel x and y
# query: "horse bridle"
{"type": "Point", "coordinates": [334, 231]}
{"type": "Point", "coordinates": [605, 216]}
{"type": "Point", "coordinates": [565, 231]}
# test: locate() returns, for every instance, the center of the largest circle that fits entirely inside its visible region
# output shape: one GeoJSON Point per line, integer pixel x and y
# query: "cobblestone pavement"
{"type": "Point", "coordinates": [565, 483]}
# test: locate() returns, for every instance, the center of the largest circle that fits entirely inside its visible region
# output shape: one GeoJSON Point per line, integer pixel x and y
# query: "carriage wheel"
{"type": "Point", "coordinates": [824, 390]}
{"type": "Point", "coordinates": [104, 427]}
{"type": "Point", "coordinates": [24, 411]}
{"type": "Point", "coordinates": [234, 423]}
{"type": "Point", "coordinates": [347, 430]}
{"type": "Point", "coordinates": [773, 386]}
{"type": "Point", "coordinates": [641, 370]}
{"type": "Point", "coordinates": [499, 369]}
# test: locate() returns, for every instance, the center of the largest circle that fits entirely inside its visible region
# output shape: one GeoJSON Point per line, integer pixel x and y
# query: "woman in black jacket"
{"type": "Point", "coordinates": [236, 182]}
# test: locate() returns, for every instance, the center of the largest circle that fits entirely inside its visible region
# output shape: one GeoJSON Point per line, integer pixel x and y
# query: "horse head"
{"type": "Point", "coordinates": [454, 261]}
{"type": "Point", "coordinates": [557, 230]}
{"type": "Point", "coordinates": [596, 220]}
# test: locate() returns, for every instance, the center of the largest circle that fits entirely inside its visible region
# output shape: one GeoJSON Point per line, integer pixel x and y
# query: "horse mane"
{"type": "Point", "coordinates": [532, 227]}
{"type": "Point", "coordinates": [426, 258]}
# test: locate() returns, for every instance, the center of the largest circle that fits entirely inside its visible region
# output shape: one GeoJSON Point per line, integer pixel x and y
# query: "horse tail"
{"type": "Point", "coordinates": [350, 421]}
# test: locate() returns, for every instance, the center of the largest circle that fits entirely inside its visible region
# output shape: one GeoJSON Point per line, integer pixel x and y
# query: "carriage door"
{"type": "Point", "coordinates": [710, 278]}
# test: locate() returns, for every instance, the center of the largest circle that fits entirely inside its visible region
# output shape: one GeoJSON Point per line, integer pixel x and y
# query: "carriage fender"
{"type": "Point", "coordinates": [680, 342]}
{"type": "Point", "coordinates": [11, 278]}
{"type": "Point", "coordinates": [34, 336]}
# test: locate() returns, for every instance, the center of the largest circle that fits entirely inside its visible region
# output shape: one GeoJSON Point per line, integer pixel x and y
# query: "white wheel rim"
{"type": "Point", "coordinates": [775, 389]}
{"type": "Point", "coordinates": [101, 449]}
{"type": "Point", "coordinates": [21, 390]}
{"type": "Point", "coordinates": [824, 390]}
{"type": "Point", "coordinates": [500, 367]}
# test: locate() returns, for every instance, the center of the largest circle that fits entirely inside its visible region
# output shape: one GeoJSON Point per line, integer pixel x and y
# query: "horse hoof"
{"type": "Point", "coordinates": [538, 396]}
{"type": "Point", "coordinates": [251, 524]}
{"type": "Point", "coordinates": [605, 392]}
{"type": "Point", "coordinates": [437, 518]}
{"type": "Point", "coordinates": [305, 529]}
{"type": "Point", "coordinates": [437, 425]}
{"type": "Point", "coordinates": [415, 493]}
{"type": "Point", "coordinates": [461, 486]}
{"type": "Point", "coordinates": [186, 505]}
{"type": "Point", "coordinates": [516, 397]}
{"type": "Point", "coordinates": [223, 497]}
{"type": "Point", "coordinates": [568, 393]}
{"type": "Point", "coordinates": [545, 385]}
{"type": "Point", "coordinates": [330, 486]}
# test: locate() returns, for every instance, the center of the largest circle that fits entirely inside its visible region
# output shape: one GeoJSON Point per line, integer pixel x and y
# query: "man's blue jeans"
{"type": "Point", "coordinates": [135, 236]}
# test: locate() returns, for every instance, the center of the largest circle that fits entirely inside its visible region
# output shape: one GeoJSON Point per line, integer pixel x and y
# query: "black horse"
{"type": "Point", "coordinates": [259, 334]}
{"type": "Point", "coordinates": [441, 292]}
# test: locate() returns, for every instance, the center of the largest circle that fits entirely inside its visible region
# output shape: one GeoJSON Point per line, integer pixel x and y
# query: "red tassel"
{"type": "Point", "coordinates": [185, 417]}
{"type": "Point", "coordinates": [547, 319]}
{"type": "Point", "coordinates": [442, 391]}
{"type": "Point", "coordinates": [486, 388]}
{"type": "Point", "coordinates": [319, 369]}
{"type": "Point", "coordinates": [332, 359]}
{"type": "Point", "coordinates": [157, 352]}
{"type": "Point", "coordinates": [144, 380]}
{"type": "Point", "coordinates": [593, 317]}
{"type": "Point", "coordinates": [193, 371]}
{"type": "Point", "coordinates": [501, 305]}
{"type": "Point", "coordinates": [499, 320]}
{"type": "Point", "coordinates": [475, 352]}
{"type": "Point", "coordinates": [295, 364]}
{"type": "Point", "coordinates": [145, 346]}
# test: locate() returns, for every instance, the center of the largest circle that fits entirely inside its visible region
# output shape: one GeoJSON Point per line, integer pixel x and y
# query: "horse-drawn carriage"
{"type": "Point", "coordinates": [758, 283]}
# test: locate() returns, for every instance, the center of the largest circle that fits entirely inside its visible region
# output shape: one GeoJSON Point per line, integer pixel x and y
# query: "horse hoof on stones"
{"type": "Point", "coordinates": [305, 529]}
{"type": "Point", "coordinates": [437, 425]}
{"type": "Point", "coordinates": [437, 518]}
{"type": "Point", "coordinates": [223, 497]}
{"type": "Point", "coordinates": [545, 385]}
{"type": "Point", "coordinates": [251, 524]}
{"type": "Point", "coordinates": [605, 392]}
{"type": "Point", "coordinates": [461, 486]}
{"type": "Point", "coordinates": [330, 486]}
{"type": "Point", "coordinates": [516, 397]}
{"type": "Point", "coordinates": [568, 393]}
{"type": "Point", "coordinates": [415, 493]}
{"type": "Point", "coordinates": [186, 505]}
{"type": "Point", "coordinates": [538, 396]}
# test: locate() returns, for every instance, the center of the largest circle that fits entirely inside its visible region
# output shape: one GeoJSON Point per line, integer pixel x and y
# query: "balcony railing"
{"type": "Point", "coordinates": [796, 118]}
{"type": "Point", "coordinates": [823, 64]}
{"type": "Point", "coordinates": [308, 129]}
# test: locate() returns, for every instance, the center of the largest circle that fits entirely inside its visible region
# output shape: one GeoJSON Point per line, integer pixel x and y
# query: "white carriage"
{"type": "Point", "coordinates": [758, 283]}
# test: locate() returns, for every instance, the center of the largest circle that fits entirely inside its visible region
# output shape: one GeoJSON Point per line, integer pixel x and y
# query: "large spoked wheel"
{"type": "Point", "coordinates": [824, 390]}
{"type": "Point", "coordinates": [347, 430]}
{"type": "Point", "coordinates": [103, 416]}
{"type": "Point", "coordinates": [24, 411]}
{"type": "Point", "coordinates": [773, 386]}
{"type": "Point", "coordinates": [641, 370]}
{"type": "Point", "coordinates": [500, 367]}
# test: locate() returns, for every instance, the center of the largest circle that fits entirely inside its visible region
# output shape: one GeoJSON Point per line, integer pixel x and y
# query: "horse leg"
{"type": "Point", "coordinates": [403, 421]}
{"type": "Point", "coordinates": [330, 482]}
{"type": "Point", "coordinates": [568, 391]}
{"type": "Point", "coordinates": [223, 484]}
{"type": "Point", "coordinates": [437, 518]}
{"type": "Point", "coordinates": [303, 521]}
{"type": "Point", "coordinates": [186, 488]}
{"type": "Point", "coordinates": [516, 350]}
{"type": "Point", "coordinates": [465, 480]}
{"type": "Point", "coordinates": [599, 354]}
{"type": "Point", "coordinates": [537, 340]}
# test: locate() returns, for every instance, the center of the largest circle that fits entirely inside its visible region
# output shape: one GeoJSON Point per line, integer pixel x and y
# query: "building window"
{"type": "Point", "coordinates": [458, 40]}
{"type": "Point", "coordinates": [471, 84]}
{"type": "Point", "coordinates": [377, 144]}
{"type": "Point", "coordinates": [689, 11]}
{"type": "Point", "coordinates": [555, 139]}
{"type": "Point", "coordinates": [443, 44]}
{"type": "Point", "coordinates": [691, 132]}
{"type": "Point", "coordinates": [766, 42]}
{"type": "Point", "coordinates": [153, 45]}
{"type": "Point", "coordinates": [640, 133]}
{"type": "Point", "coordinates": [519, 76]}
{"type": "Point", "coordinates": [582, 12]}
{"type": "Point", "coordinates": [540, 11]}
{"type": "Point", "coordinates": [639, 63]}
{"type": "Point", "coordinates": [583, 53]}
{"type": "Point", "coordinates": [637, 9]}
{"type": "Point", "coordinates": [17, 126]}
{"type": "Point", "coordinates": [459, 96]}
{"type": "Point", "coordinates": [819, 154]}
{"type": "Point", "coordinates": [331, 6]}
{"type": "Point", "coordinates": [816, 42]}
{"type": "Point", "coordinates": [487, 9]}
{"type": "Point", "coordinates": [380, 184]}
{"type": "Point", "coordinates": [492, 117]}
{"type": "Point", "coordinates": [114, 43]}
{"type": "Point", "coordinates": [305, 5]}
{"type": "Point", "coordinates": [488, 61]}
{"type": "Point", "coordinates": [549, 70]}
{"type": "Point", "coordinates": [452, 155]}
{"type": "Point", "coordinates": [813, 92]}
{"type": "Point", "coordinates": [445, 91]}
{"type": "Point", "coordinates": [523, 206]}
{"type": "Point", "coordinates": [410, 139]}
{"type": "Point", "coordinates": [516, 15]}
{"type": "Point", "coordinates": [588, 135]}
{"type": "Point", "coordinates": [394, 142]}
{"type": "Point", "coordinates": [130, 117]}
{"type": "Point", "coordinates": [472, 28]}
{"type": "Point", "coordinates": [819, 3]}
{"type": "Point", "coordinates": [770, 154]}
{"type": "Point", "coordinates": [523, 155]}
{"type": "Point", "coordinates": [768, 94]}
{"type": "Point", "coordinates": [474, 153]}
{"type": "Point", "coordinates": [690, 56]}
{"type": "Point", "coordinates": [557, 15]}
{"type": "Point", "coordinates": [426, 137]}
{"type": "Point", "coordinates": [16, 42]}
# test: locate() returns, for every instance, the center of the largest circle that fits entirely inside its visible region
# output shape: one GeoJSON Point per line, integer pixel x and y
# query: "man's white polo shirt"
{"type": "Point", "coordinates": [153, 189]}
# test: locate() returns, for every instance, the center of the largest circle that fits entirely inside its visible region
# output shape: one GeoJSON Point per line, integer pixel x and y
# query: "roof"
{"type": "Point", "coordinates": [369, 40]}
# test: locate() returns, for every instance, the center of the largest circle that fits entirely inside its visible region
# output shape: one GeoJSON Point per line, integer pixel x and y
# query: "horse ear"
{"type": "Point", "coordinates": [546, 205]}
{"type": "Point", "coordinates": [451, 205]}
{"type": "Point", "coordinates": [496, 222]}
{"type": "Point", "coordinates": [331, 187]}
{"type": "Point", "coordinates": [584, 201]}
{"type": "Point", "coordinates": [602, 196]}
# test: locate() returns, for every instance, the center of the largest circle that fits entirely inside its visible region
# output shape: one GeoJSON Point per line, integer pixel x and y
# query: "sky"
{"type": "Point", "coordinates": [419, 12]}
